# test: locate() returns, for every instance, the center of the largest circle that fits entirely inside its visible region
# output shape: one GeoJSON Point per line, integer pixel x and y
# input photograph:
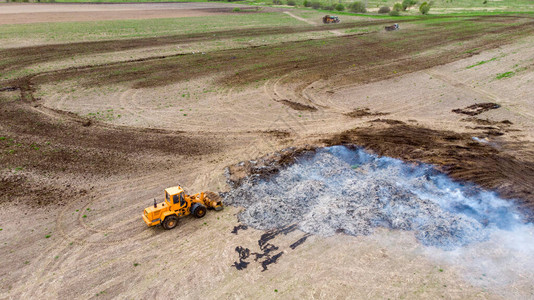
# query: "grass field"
{"type": "Point", "coordinates": [479, 4]}
{"type": "Point", "coordinates": [65, 32]}
{"type": "Point", "coordinates": [194, 33]}
{"type": "Point", "coordinates": [438, 6]}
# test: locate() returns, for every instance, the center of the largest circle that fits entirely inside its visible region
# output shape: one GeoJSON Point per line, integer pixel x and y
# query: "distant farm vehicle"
{"type": "Point", "coordinates": [178, 204]}
{"type": "Point", "coordinates": [392, 27]}
{"type": "Point", "coordinates": [330, 19]}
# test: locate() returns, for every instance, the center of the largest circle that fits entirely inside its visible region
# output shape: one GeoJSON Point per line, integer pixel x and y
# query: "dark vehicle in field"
{"type": "Point", "coordinates": [392, 27]}
{"type": "Point", "coordinates": [330, 19]}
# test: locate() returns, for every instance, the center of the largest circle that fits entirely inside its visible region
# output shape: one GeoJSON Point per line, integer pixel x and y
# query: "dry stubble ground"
{"type": "Point", "coordinates": [28, 13]}
{"type": "Point", "coordinates": [75, 183]}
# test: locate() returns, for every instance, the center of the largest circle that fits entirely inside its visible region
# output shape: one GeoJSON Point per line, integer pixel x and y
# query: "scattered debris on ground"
{"type": "Point", "coordinates": [387, 121]}
{"type": "Point", "coordinates": [363, 112]}
{"type": "Point", "coordinates": [298, 106]}
{"type": "Point", "coordinates": [281, 134]}
{"type": "Point", "coordinates": [476, 109]}
{"type": "Point", "coordinates": [239, 227]}
{"type": "Point", "coordinates": [264, 256]}
{"type": "Point", "coordinates": [487, 121]}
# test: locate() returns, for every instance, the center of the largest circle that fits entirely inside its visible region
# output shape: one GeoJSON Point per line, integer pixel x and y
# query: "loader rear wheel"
{"type": "Point", "coordinates": [199, 210]}
{"type": "Point", "coordinates": [170, 222]}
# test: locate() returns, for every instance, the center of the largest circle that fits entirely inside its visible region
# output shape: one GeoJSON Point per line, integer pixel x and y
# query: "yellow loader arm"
{"type": "Point", "coordinates": [211, 200]}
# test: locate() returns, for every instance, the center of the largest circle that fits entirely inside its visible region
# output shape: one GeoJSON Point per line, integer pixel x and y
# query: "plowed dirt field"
{"type": "Point", "coordinates": [85, 148]}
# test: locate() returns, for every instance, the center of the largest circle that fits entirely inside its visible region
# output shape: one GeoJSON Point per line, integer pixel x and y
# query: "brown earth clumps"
{"type": "Point", "coordinates": [48, 156]}
{"type": "Point", "coordinates": [456, 154]}
{"type": "Point", "coordinates": [476, 109]}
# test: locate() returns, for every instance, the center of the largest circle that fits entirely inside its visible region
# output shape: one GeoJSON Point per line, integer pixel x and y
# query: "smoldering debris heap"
{"type": "Point", "coordinates": [338, 189]}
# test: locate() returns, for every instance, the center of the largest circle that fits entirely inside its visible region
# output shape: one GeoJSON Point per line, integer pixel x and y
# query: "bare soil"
{"type": "Point", "coordinates": [27, 56]}
{"type": "Point", "coordinates": [363, 112]}
{"type": "Point", "coordinates": [28, 13]}
{"type": "Point", "coordinates": [375, 51]}
{"type": "Point", "coordinates": [31, 18]}
{"type": "Point", "coordinates": [74, 184]}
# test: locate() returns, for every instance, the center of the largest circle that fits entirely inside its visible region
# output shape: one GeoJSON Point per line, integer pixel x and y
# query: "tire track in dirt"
{"type": "Point", "coordinates": [279, 91]}
{"type": "Point", "coordinates": [61, 103]}
{"type": "Point", "coordinates": [241, 116]}
{"type": "Point", "coordinates": [300, 19]}
{"type": "Point", "coordinates": [257, 118]}
{"type": "Point", "coordinates": [56, 101]}
{"type": "Point", "coordinates": [114, 194]}
{"type": "Point", "coordinates": [126, 99]}
{"type": "Point", "coordinates": [48, 262]}
{"type": "Point", "coordinates": [317, 117]}
{"type": "Point", "coordinates": [326, 113]}
{"type": "Point", "coordinates": [21, 57]}
{"type": "Point", "coordinates": [326, 99]}
{"type": "Point", "coordinates": [116, 190]}
{"type": "Point", "coordinates": [314, 93]}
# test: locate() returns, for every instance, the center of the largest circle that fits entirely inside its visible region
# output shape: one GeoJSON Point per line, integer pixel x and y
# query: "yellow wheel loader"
{"type": "Point", "coordinates": [178, 204]}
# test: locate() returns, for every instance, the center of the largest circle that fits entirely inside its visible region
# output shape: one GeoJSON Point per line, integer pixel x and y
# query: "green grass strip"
{"type": "Point", "coordinates": [481, 63]}
{"type": "Point", "coordinates": [505, 75]}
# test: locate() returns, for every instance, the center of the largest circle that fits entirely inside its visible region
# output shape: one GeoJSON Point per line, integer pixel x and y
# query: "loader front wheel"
{"type": "Point", "coordinates": [170, 222]}
{"type": "Point", "coordinates": [199, 210]}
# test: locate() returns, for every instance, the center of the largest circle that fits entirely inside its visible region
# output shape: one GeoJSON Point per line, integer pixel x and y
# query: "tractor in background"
{"type": "Point", "coordinates": [392, 27]}
{"type": "Point", "coordinates": [330, 19]}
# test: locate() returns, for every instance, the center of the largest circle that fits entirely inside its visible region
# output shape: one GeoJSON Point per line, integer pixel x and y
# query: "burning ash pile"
{"type": "Point", "coordinates": [338, 189]}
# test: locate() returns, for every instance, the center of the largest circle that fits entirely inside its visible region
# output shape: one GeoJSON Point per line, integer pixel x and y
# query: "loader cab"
{"type": "Point", "coordinates": [175, 196]}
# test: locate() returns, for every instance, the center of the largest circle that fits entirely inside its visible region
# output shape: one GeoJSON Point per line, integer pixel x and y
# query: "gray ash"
{"type": "Point", "coordinates": [338, 189]}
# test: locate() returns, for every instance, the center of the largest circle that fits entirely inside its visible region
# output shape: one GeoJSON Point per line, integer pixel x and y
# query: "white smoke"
{"type": "Point", "coordinates": [338, 189]}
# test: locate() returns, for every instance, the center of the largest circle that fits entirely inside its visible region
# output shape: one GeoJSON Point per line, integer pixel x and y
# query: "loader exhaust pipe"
{"type": "Point", "coordinates": [155, 204]}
